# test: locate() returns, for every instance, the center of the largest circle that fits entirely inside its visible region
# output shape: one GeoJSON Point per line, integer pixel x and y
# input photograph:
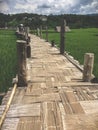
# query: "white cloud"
{"type": "Point", "coordinates": [49, 6]}
{"type": "Point", "coordinates": [25, 6]}
{"type": "Point", "coordinates": [4, 7]}
{"type": "Point", "coordinates": [89, 8]}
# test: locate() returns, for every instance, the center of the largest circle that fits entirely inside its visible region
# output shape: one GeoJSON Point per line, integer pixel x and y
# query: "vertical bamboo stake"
{"type": "Point", "coordinates": [28, 51]}
{"type": "Point", "coordinates": [26, 32]}
{"type": "Point", "coordinates": [88, 67]}
{"type": "Point", "coordinates": [46, 34]}
{"type": "Point", "coordinates": [62, 38]}
{"type": "Point", "coordinates": [22, 75]}
{"type": "Point", "coordinates": [40, 31]}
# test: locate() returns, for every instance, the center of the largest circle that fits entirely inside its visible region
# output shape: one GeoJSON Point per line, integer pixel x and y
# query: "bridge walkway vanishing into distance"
{"type": "Point", "coordinates": [56, 98]}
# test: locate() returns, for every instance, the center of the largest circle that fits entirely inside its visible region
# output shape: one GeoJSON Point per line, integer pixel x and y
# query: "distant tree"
{"type": "Point", "coordinates": [73, 20]}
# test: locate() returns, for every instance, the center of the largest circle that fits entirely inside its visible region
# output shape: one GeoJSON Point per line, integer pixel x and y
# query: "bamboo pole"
{"type": "Point", "coordinates": [22, 73]}
{"type": "Point", "coordinates": [62, 37]}
{"type": "Point", "coordinates": [88, 67]}
{"type": "Point", "coordinates": [28, 51]}
{"type": "Point", "coordinates": [46, 34]}
{"type": "Point", "coordinates": [7, 106]}
{"type": "Point", "coordinates": [40, 31]}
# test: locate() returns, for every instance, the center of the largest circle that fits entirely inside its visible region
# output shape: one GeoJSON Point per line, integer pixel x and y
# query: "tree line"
{"type": "Point", "coordinates": [34, 21]}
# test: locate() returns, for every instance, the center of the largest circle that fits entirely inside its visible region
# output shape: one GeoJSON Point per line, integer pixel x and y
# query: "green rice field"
{"type": "Point", "coordinates": [78, 42]}
{"type": "Point", "coordinates": [8, 59]}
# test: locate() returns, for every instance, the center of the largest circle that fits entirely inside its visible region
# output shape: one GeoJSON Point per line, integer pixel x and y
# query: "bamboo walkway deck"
{"type": "Point", "coordinates": [56, 98]}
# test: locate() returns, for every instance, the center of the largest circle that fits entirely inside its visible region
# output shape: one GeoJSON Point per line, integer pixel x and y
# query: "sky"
{"type": "Point", "coordinates": [48, 7]}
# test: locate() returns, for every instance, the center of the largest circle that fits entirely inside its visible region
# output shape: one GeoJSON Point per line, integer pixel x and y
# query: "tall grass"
{"type": "Point", "coordinates": [8, 59]}
{"type": "Point", "coordinates": [78, 42]}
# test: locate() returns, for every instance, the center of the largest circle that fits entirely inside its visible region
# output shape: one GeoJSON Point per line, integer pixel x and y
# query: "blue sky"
{"type": "Point", "coordinates": [49, 6]}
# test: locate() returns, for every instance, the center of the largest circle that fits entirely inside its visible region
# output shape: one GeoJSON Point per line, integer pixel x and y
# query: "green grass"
{"type": "Point", "coordinates": [78, 42]}
{"type": "Point", "coordinates": [8, 59]}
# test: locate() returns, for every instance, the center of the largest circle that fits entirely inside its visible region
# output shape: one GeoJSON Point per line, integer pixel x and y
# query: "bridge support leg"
{"type": "Point", "coordinates": [88, 67]}
{"type": "Point", "coordinates": [22, 74]}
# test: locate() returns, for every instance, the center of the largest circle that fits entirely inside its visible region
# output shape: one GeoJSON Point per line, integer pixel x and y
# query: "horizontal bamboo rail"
{"type": "Point", "coordinates": [8, 105]}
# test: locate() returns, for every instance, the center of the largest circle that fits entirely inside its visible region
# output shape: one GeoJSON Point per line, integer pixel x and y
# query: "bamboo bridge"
{"type": "Point", "coordinates": [55, 98]}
